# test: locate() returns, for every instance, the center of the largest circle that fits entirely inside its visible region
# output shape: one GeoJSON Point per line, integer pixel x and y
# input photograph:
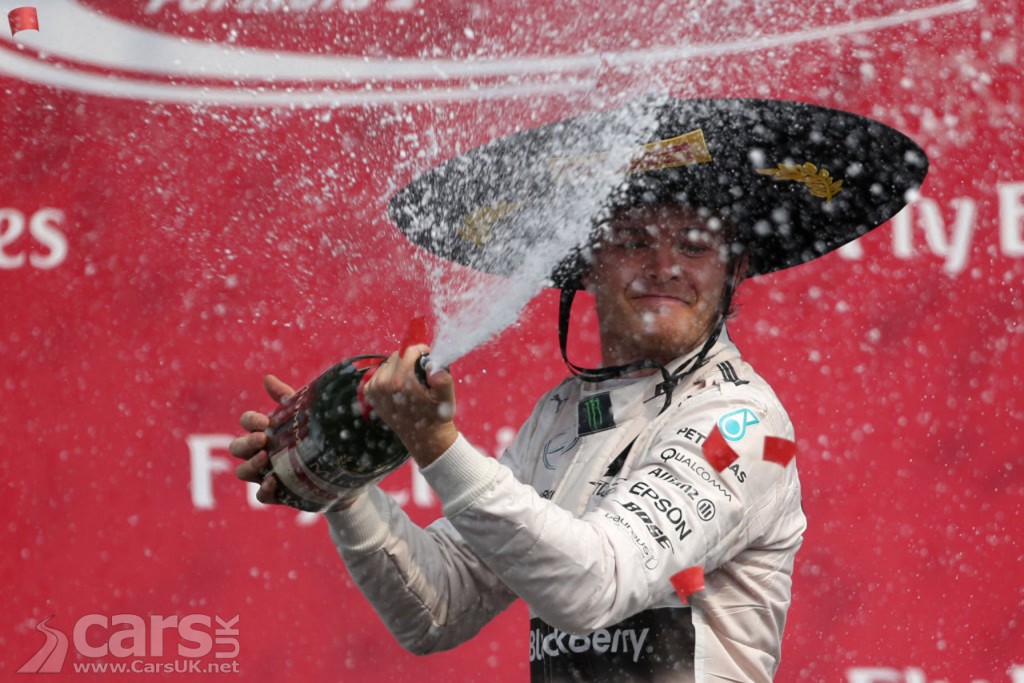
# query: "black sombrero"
{"type": "Point", "coordinates": [798, 180]}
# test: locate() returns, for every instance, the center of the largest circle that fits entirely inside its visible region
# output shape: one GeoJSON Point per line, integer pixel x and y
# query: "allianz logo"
{"type": "Point", "coordinates": [628, 641]}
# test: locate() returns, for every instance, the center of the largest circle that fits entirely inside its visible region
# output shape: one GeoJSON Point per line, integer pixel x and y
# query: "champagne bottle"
{"type": "Point", "coordinates": [324, 441]}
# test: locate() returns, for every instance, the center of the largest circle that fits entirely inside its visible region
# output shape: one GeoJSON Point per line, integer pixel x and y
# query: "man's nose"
{"type": "Point", "coordinates": [664, 261]}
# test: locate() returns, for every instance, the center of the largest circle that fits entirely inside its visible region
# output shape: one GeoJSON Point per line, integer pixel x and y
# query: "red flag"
{"type": "Point", "coordinates": [23, 19]}
{"type": "Point", "coordinates": [688, 581]}
{"type": "Point", "coordinates": [779, 451]}
{"type": "Point", "coordinates": [717, 452]}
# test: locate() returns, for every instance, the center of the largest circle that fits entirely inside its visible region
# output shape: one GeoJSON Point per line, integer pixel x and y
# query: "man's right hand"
{"type": "Point", "coordinates": [252, 447]}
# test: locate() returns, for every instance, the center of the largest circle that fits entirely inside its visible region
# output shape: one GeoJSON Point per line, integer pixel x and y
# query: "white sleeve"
{"type": "Point", "coordinates": [581, 574]}
{"type": "Point", "coordinates": [430, 588]}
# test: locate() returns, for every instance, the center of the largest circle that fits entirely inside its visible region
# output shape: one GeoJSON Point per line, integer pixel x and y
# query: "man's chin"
{"type": "Point", "coordinates": [673, 337]}
{"type": "Point", "coordinates": [669, 321]}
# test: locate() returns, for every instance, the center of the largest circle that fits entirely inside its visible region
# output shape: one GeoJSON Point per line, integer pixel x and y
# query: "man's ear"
{"type": "Point", "coordinates": [585, 262]}
{"type": "Point", "coordinates": [587, 282]}
{"type": "Point", "coordinates": [740, 274]}
{"type": "Point", "coordinates": [739, 263]}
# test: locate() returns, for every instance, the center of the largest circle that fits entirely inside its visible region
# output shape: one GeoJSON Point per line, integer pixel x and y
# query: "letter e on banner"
{"type": "Point", "coordinates": [1011, 218]}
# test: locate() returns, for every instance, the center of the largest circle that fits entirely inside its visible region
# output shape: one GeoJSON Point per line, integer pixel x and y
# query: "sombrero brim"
{"type": "Point", "coordinates": [798, 180]}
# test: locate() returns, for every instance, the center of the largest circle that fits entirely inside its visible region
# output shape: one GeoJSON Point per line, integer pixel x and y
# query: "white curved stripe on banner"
{"type": "Point", "coordinates": [145, 60]}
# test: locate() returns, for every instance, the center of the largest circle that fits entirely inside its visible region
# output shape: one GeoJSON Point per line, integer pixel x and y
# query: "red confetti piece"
{"type": "Point", "coordinates": [779, 451]}
{"type": "Point", "coordinates": [688, 582]}
{"type": "Point", "coordinates": [717, 452]}
{"type": "Point", "coordinates": [23, 19]}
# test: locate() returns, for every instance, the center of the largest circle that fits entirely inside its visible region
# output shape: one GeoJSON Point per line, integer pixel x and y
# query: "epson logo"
{"type": "Point", "coordinates": [674, 514]}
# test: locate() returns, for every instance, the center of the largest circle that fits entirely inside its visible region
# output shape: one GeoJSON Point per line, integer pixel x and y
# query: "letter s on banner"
{"type": "Point", "coordinates": [43, 228]}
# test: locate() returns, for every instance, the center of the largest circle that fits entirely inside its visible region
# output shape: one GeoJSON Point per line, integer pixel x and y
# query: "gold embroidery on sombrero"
{"type": "Point", "coordinates": [683, 150]}
{"type": "Point", "coordinates": [818, 181]}
{"type": "Point", "coordinates": [477, 225]}
{"type": "Point", "coordinates": [568, 170]}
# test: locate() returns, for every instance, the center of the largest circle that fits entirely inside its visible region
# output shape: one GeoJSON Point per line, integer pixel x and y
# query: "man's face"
{"type": "Point", "coordinates": [658, 277]}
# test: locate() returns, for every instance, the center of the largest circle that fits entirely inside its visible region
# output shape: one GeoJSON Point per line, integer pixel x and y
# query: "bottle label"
{"type": "Point", "coordinates": [298, 468]}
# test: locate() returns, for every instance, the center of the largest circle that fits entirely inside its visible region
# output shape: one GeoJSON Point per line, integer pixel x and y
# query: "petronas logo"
{"type": "Point", "coordinates": [595, 414]}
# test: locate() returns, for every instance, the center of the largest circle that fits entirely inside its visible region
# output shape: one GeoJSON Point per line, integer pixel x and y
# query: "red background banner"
{"type": "Point", "coordinates": [192, 194]}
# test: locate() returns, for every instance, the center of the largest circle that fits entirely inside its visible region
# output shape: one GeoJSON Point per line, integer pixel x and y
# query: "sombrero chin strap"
{"type": "Point", "coordinates": [669, 379]}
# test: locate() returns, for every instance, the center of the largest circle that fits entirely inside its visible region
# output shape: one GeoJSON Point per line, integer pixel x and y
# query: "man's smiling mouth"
{"type": "Point", "coordinates": [660, 297]}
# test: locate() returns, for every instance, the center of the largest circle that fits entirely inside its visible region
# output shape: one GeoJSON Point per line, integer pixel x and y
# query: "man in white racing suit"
{"type": "Point", "coordinates": [594, 508]}
{"type": "Point", "coordinates": [648, 512]}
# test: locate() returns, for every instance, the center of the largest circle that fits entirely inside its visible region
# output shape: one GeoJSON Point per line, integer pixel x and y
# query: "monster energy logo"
{"type": "Point", "coordinates": [595, 414]}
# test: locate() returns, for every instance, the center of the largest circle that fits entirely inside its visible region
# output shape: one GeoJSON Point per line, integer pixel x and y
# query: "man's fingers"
{"type": "Point", "coordinates": [380, 378]}
{"type": "Point", "coordinates": [251, 447]}
{"type": "Point", "coordinates": [254, 421]}
{"type": "Point", "coordinates": [252, 469]}
{"type": "Point", "coordinates": [404, 367]}
{"type": "Point", "coordinates": [438, 376]}
{"type": "Point", "coordinates": [442, 385]}
{"type": "Point", "coordinates": [268, 491]}
{"type": "Point", "coordinates": [277, 389]}
{"type": "Point", "coordinates": [248, 445]}
{"type": "Point", "coordinates": [411, 354]}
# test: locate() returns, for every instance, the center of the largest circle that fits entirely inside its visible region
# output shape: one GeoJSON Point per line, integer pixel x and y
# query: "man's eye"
{"type": "Point", "coordinates": [694, 248]}
{"type": "Point", "coordinates": [631, 245]}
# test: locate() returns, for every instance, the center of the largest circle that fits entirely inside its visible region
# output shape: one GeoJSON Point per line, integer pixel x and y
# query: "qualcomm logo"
{"type": "Point", "coordinates": [81, 49]}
